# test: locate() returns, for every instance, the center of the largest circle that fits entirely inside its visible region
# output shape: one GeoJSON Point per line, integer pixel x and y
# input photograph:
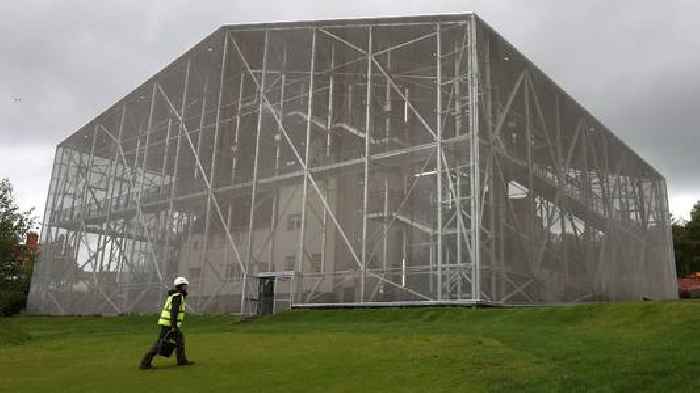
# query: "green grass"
{"type": "Point", "coordinates": [633, 347]}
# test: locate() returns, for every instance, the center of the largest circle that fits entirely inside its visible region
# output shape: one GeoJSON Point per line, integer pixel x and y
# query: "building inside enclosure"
{"type": "Point", "coordinates": [390, 161]}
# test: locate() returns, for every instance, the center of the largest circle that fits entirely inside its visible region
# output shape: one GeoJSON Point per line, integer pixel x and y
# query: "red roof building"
{"type": "Point", "coordinates": [689, 286]}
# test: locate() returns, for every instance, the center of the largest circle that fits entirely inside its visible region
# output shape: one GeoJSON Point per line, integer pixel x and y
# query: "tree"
{"type": "Point", "coordinates": [686, 243]}
{"type": "Point", "coordinates": [15, 263]}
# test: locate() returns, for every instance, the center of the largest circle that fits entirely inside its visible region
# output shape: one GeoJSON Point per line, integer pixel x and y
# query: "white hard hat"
{"type": "Point", "coordinates": [180, 281]}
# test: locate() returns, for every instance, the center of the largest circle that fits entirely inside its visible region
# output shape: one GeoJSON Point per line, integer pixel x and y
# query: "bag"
{"type": "Point", "coordinates": [167, 345]}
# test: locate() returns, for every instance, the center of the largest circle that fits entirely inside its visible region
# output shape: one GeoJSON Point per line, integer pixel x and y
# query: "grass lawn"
{"type": "Point", "coordinates": [632, 347]}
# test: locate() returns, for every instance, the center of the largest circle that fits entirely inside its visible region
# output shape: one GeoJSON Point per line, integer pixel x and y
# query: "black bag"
{"type": "Point", "coordinates": [167, 345]}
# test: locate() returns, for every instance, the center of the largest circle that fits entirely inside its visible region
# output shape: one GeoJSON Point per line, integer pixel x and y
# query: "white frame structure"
{"type": "Point", "coordinates": [395, 161]}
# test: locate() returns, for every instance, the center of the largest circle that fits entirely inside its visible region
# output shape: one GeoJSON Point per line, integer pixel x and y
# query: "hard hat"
{"type": "Point", "coordinates": [180, 281]}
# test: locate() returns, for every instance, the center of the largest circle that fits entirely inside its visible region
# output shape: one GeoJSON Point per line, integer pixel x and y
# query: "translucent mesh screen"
{"type": "Point", "coordinates": [385, 161]}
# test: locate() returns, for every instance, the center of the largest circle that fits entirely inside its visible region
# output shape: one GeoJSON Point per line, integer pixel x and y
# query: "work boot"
{"type": "Point", "coordinates": [146, 361]}
{"type": "Point", "coordinates": [180, 351]}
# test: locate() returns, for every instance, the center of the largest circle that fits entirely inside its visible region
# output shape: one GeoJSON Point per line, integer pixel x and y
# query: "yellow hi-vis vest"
{"type": "Point", "coordinates": [165, 313]}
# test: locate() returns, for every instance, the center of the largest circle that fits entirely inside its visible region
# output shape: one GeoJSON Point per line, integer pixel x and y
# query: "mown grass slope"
{"type": "Point", "coordinates": [633, 347]}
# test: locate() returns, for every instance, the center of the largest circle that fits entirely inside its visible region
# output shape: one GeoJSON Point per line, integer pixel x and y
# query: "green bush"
{"type": "Point", "coordinates": [12, 301]}
{"type": "Point", "coordinates": [16, 259]}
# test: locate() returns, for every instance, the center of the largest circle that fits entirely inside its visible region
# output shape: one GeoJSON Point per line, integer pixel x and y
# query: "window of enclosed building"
{"type": "Point", "coordinates": [316, 262]}
{"type": "Point", "coordinates": [290, 262]}
{"type": "Point", "coordinates": [293, 222]}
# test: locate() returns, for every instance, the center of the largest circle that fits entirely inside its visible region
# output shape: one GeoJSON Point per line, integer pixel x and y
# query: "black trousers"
{"type": "Point", "coordinates": [179, 347]}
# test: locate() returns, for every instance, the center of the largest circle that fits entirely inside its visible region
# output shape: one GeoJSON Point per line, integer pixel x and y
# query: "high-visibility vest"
{"type": "Point", "coordinates": [165, 313]}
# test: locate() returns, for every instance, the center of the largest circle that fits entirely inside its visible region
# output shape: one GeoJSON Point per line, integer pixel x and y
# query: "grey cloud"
{"type": "Point", "coordinates": [633, 64]}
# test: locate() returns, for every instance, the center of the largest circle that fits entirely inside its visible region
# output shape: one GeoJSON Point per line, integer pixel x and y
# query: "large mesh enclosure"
{"type": "Point", "coordinates": [399, 161]}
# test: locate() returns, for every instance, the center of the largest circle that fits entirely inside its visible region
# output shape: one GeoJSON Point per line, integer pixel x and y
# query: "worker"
{"type": "Point", "coordinates": [170, 322]}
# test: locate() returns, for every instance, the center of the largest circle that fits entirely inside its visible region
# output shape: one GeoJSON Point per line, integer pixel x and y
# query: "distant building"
{"type": "Point", "coordinates": [27, 251]}
{"type": "Point", "coordinates": [388, 161]}
{"type": "Point", "coordinates": [689, 286]}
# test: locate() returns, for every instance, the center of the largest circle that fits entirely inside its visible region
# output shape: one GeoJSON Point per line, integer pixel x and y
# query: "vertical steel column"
{"type": "Point", "coordinates": [144, 168]}
{"type": "Point", "coordinates": [331, 88]}
{"type": "Point", "coordinates": [66, 188]}
{"type": "Point", "coordinates": [438, 114]}
{"type": "Point", "coordinates": [170, 222]}
{"type": "Point", "coordinates": [251, 218]}
{"type": "Point", "coordinates": [50, 203]}
{"type": "Point", "coordinates": [166, 150]}
{"type": "Point", "coordinates": [606, 247]}
{"type": "Point", "coordinates": [405, 105]}
{"type": "Point", "coordinates": [404, 240]}
{"type": "Point", "coordinates": [628, 191]}
{"type": "Point", "coordinates": [654, 196]}
{"type": "Point", "coordinates": [348, 100]}
{"type": "Point", "coordinates": [133, 251]}
{"type": "Point", "coordinates": [122, 246]}
{"type": "Point", "coordinates": [234, 160]}
{"type": "Point", "coordinates": [212, 170]}
{"type": "Point", "coordinates": [368, 137]}
{"type": "Point", "coordinates": [182, 129]}
{"type": "Point", "coordinates": [329, 124]}
{"type": "Point", "coordinates": [83, 199]}
{"type": "Point", "coordinates": [163, 214]}
{"type": "Point", "coordinates": [62, 177]}
{"type": "Point", "coordinates": [80, 213]}
{"type": "Point", "coordinates": [200, 135]}
{"type": "Point", "coordinates": [103, 238]}
{"type": "Point", "coordinates": [387, 135]}
{"type": "Point", "coordinates": [457, 108]}
{"type": "Point", "coordinates": [431, 267]}
{"type": "Point", "coordinates": [50, 228]}
{"type": "Point", "coordinates": [278, 141]}
{"type": "Point", "coordinates": [673, 290]}
{"type": "Point", "coordinates": [661, 208]}
{"type": "Point", "coordinates": [133, 172]}
{"type": "Point", "coordinates": [561, 186]}
{"type": "Point", "coordinates": [111, 184]}
{"type": "Point", "coordinates": [304, 196]}
{"type": "Point", "coordinates": [84, 207]}
{"type": "Point", "coordinates": [149, 129]}
{"type": "Point", "coordinates": [587, 197]}
{"type": "Point", "coordinates": [473, 79]}
{"type": "Point", "coordinates": [72, 233]}
{"type": "Point", "coordinates": [642, 198]}
{"type": "Point", "coordinates": [207, 207]}
{"type": "Point", "coordinates": [491, 174]}
{"type": "Point", "coordinates": [51, 197]}
{"type": "Point", "coordinates": [41, 275]}
{"type": "Point", "coordinates": [530, 177]}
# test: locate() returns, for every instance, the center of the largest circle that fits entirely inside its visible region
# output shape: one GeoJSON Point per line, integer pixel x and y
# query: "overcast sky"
{"type": "Point", "coordinates": [634, 64]}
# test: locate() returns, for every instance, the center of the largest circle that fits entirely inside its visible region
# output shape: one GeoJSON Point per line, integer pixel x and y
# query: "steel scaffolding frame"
{"type": "Point", "coordinates": [480, 181]}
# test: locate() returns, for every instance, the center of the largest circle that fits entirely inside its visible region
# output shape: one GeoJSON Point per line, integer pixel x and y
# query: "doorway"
{"type": "Point", "coordinates": [270, 293]}
{"type": "Point", "coordinates": [266, 296]}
